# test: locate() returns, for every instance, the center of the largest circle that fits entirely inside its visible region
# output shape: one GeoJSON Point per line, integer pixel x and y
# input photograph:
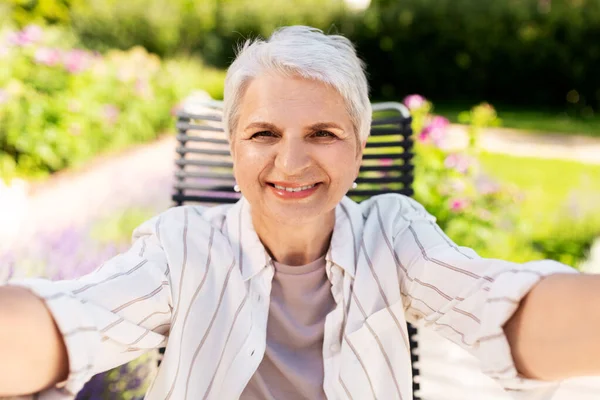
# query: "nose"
{"type": "Point", "coordinates": [293, 157]}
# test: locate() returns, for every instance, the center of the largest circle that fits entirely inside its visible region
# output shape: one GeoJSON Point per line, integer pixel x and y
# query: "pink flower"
{"type": "Point", "coordinates": [176, 108]}
{"type": "Point", "coordinates": [15, 39]}
{"type": "Point", "coordinates": [459, 162]}
{"type": "Point", "coordinates": [75, 129]}
{"type": "Point", "coordinates": [111, 113]}
{"type": "Point", "coordinates": [48, 57]}
{"type": "Point", "coordinates": [3, 96]}
{"type": "Point", "coordinates": [142, 88]}
{"type": "Point", "coordinates": [29, 35]}
{"type": "Point", "coordinates": [76, 61]}
{"type": "Point", "coordinates": [486, 186]}
{"type": "Point", "coordinates": [414, 101]}
{"type": "Point", "coordinates": [3, 50]}
{"type": "Point", "coordinates": [74, 106]}
{"type": "Point", "coordinates": [435, 131]}
{"type": "Point", "coordinates": [33, 33]}
{"type": "Point", "coordinates": [458, 205]}
{"type": "Point", "coordinates": [458, 186]}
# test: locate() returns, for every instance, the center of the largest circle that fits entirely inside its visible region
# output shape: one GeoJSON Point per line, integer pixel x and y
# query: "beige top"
{"type": "Point", "coordinates": [292, 367]}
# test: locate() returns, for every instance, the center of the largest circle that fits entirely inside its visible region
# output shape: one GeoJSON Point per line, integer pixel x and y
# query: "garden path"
{"type": "Point", "coordinates": [143, 176]}
{"type": "Point", "coordinates": [541, 145]}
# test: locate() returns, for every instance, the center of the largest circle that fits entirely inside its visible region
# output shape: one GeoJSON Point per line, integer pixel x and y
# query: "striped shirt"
{"type": "Point", "coordinates": [198, 280]}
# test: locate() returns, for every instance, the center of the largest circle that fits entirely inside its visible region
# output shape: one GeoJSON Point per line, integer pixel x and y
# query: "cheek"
{"type": "Point", "coordinates": [248, 162]}
{"type": "Point", "coordinates": [341, 163]}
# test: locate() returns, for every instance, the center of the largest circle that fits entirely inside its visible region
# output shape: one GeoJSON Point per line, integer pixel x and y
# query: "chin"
{"type": "Point", "coordinates": [296, 214]}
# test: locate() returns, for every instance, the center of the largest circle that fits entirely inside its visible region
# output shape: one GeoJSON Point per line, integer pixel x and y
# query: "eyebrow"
{"type": "Point", "coordinates": [317, 126]}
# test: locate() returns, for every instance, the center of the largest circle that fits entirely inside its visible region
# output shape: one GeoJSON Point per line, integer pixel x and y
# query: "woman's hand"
{"type": "Point", "coordinates": [33, 356]}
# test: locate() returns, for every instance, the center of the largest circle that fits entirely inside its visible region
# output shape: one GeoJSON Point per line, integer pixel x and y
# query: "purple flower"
{"type": "Point", "coordinates": [110, 113]}
{"type": "Point", "coordinates": [414, 101]}
{"type": "Point", "coordinates": [76, 61]}
{"type": "Point", "coordinates": [48, 57]}
{"type": "Point", "coordinates": [7, 268]}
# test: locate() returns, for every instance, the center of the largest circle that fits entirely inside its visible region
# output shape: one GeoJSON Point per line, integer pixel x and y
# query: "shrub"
{"type": "Point", "coordinates": [209, 28]}
{"type": "Point", "coordinates": [60, 105]}
{"type": "Point", "coordinates": [513, 52]}
{"type": "Point", "coordinates": [478, 212]}
{"type": "Point", "coordinates": [470, 207]}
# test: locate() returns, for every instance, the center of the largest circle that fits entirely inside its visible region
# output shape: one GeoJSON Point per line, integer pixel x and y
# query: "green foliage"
{"type": "Point", "coordinates": [512, 52]}
{"type": "Point", "coordinates": [567, 242]}
{"type": "Point", "coordinates": [470, 207]}
{"type": "Point", "coordinates": [211, 28]}
{"type": "Point", "coordinates": [509, 51]}
{"type": "Point", "coordinates": [500, 211]}
{"type": "Point", "coordinates": [60, 106]}
{"type": "Point", "coordinates": [531, 119]}
{"type": "Point", "coordinates": [24, 12]}
{"type": "Point", "coordinates": [559, 216]}
{"type": "Point", "coordinates": [118, 228]}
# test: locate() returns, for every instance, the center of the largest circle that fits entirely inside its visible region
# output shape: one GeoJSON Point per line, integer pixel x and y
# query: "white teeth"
{"type": "Point", "coordinates": [293, 189]}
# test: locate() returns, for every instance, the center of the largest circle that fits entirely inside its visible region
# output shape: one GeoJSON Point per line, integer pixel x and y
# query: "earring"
{"type": "Point", "coordinates": [236, 188]}
{"type": "Point", "coordinates": [354, 185]}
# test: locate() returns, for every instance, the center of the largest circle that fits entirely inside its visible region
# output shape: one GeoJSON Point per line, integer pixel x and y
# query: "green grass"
{"type": "Point", "coordinates": [554, 190]}
{"type": "Point", "coordinates": [531, 120]}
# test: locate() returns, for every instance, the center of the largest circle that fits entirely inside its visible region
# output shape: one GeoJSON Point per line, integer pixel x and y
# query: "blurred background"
{"type": "Point", "coordinates": [505, 97]}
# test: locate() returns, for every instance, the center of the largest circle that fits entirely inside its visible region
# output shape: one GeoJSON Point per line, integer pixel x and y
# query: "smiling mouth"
{"type": "Point", "coordinates": [293, 189]}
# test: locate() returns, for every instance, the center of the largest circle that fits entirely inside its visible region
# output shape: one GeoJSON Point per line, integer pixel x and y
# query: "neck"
{"type": "Point", "coordinates": [303, 243]}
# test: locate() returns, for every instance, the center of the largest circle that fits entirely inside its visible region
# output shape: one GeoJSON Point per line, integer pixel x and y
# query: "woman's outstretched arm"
{"type": "Point", "coordinates": [555, 332]}
{"type": "Point", "coordinates": [33, 356]}
{"type": "Point", "coordinates": [56, 335]}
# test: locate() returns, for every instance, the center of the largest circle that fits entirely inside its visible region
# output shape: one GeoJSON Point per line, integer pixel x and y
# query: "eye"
{"type": "Point", "coordinates": [262, 134]}
{"type": "Point", "coordinates": [324, 134]}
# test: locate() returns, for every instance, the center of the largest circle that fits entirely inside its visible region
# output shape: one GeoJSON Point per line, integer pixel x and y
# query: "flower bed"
{"type": "Point", "coordinates": [61, 105]}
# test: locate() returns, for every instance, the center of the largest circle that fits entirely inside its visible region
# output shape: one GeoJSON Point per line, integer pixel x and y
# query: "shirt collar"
{"type": "Point", "coordinates": [252, 256]}
{"type": "Point", "coordinates": [347, 231]}
{"type": "Point", "coordinates": [248, 250]}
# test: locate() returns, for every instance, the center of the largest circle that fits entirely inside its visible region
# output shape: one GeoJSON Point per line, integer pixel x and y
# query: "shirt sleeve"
{"type": "Point", "coordinates": [464, 297]}
{"type": "Point", "coordinates": [112, 315]}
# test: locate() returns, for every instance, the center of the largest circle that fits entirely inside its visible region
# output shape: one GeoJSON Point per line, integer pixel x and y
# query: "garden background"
{"type": "Point", "coordinates": [84, 84]}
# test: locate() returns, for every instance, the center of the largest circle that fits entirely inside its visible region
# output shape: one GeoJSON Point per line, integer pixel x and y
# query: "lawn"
{"type": "Point", "coordinates": [532, 120]}
{"type": "Point", "coordinates": [560, 197]}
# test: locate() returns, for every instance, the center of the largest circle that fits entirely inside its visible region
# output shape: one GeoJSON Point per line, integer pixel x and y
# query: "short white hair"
{"type": "Point", "coordinates": [306, 52]}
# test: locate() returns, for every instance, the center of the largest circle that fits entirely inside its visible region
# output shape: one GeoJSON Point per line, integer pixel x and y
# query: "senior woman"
{"type": "Point", "coordinates": [296, 292]}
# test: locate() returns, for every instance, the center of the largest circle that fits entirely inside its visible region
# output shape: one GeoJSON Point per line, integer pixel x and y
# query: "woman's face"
{"type": "Point", "coordinates": [294, 149]}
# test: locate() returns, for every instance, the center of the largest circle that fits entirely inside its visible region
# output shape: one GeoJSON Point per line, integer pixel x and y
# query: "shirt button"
{"type": "Point", "coordinates": [334, 348]}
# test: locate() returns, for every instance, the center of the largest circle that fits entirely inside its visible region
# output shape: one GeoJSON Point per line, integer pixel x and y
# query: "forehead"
{"type": "Point", "coordinates": [291, 99]}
